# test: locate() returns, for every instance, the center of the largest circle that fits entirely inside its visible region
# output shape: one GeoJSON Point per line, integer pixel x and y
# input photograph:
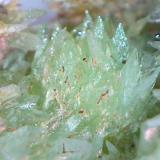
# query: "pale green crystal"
{"type": "Point", "coordinates": [85, 97]}
{"type": "Point", "coordinates": [81, 77]}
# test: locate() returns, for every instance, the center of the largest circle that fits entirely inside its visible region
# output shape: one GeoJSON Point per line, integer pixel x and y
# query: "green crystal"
{"type": "Point", "coordinates": [82, 78]}
{"type": "Point", "coordinates": [85, 97]}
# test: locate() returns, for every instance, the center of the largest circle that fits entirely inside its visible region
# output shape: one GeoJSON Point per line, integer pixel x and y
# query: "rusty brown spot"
{"type": "Point", "coordinates": [11, 129]}
{"type": "Point", "coordinates": [45, 72]}
{"type": "Point", "coordinates": [2, 126]}
{"type": "Point", "coordinates": [66, 80]}
{"type": "Point", "coordinates": [62, 69]}
{"type": "Point", "coordinates": [102, 96]}
{"type": "Point", "coordinates": [94, 61]}
{"type": "Point", "coordinates": [78, 76]}
{"type": "Point", "coordinates": [81, 111]}
{"type": "Point", "coordinates": [77, 95]}
{"type": "Point", "coordinates": [71, 135]}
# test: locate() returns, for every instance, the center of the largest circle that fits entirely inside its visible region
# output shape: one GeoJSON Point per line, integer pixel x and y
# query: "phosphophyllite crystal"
{"type": "Point", "coordinates": [85, 98]}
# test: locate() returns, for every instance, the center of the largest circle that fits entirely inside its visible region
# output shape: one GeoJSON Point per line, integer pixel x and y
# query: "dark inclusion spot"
{"type": "Point", "coordinates": [81, 111]}
{"type": "Point", "coordinates": [102, 96]}
{"type": "Point", "coordinates": [132, 145]}
{"type": "Point", "coordinates": [124, 61]}
{"type": "Point", "coordinates": [63, 69]}
{"type": "Point", "coordinates": [85, 59]}
{"type": "Point", "coordinates": [156, 37]}
{"type": "Point", "coordinates": [63, 149]}
{"type": "Point", "coordinates": [66, 80]}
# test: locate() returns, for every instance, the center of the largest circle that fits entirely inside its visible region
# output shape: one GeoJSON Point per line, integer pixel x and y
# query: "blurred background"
{"type": "Point", "coordinates": [19, 19]}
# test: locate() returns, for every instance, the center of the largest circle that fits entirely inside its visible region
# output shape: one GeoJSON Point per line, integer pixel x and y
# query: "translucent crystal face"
{"type": "Point", "coordinates": [155, 41]}
{"type": "Point", "coordinates": [157, 37]}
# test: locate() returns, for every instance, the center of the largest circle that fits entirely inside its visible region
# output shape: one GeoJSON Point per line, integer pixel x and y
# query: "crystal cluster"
{"type": "Point", "coordinates": [85, 98]}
